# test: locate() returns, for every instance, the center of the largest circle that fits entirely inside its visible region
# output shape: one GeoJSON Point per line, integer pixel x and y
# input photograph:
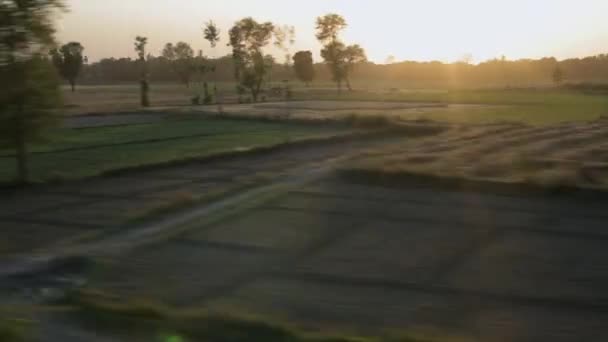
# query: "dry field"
{"type": "Point", "coordinates": [567, 154]}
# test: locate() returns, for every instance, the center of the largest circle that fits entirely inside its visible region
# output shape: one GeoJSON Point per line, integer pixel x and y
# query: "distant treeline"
{"type": "Point", "coordinates": [497, 72]}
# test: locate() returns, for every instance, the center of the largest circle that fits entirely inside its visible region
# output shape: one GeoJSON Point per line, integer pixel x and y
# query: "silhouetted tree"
{"type": "Point", "coordinates": [29, 84]}
{"type": "Point", "coordinates": [181, 57]}
{"type": "Point", "coordinates": [558, 75]}
{"type": "Point", "coordinates": [69, 60]}
{"type": "Point", "coordinates": [247, 39]}
{"type": "Point", "coordinates": [212, 34]}
{"type": "Point", "coordinates": [334, 56]}
{"type": "Point", "coordinates": [353, 55]}
{"type": "Point", "coordinates": [329, 26]}
{"type": "Point", "coordinates": [140, 48]}
{"type": "Point", "coordinates": [303, 66]}
{"type": "Point", "coordinates": [340, 58]}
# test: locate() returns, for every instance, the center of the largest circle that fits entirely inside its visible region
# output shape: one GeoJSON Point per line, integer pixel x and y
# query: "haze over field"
{"type": "Point", "coordinates": [407, 30]}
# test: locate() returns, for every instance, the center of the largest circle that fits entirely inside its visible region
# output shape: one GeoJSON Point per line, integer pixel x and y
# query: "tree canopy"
{"type": "Point", "coordinates": [329, 26]}
{"type": "Point", "coordinates": [340, 59]}
{"type": "Point", "coordinates": [29, 90]}
{"type": "Point", "coordinates": [211, 33]}
{"type": "Point", "coordinates": [181, 57]}
{"type": "Point", "coordinates": [247, 39]}
{"type": "Point", "coordinates": [303, 66]}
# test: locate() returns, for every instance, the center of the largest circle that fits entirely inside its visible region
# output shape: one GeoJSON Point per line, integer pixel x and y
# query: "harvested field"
{"type": "Point", "coordinates": [563, 155]}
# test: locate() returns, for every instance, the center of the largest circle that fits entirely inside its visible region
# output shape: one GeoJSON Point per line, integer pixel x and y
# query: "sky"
{"type": "Point", "coordinates": [420, 30]}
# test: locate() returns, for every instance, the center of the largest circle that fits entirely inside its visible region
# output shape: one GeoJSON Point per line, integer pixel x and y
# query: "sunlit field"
{"type": "Point", "coordinates": [530, 106]}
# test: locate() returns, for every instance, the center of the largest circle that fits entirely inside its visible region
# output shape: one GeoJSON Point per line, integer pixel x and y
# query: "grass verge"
{"type": "Point", "coordinates": [100, 311]}
{"type": "Point", "coordinates": [14, 330]}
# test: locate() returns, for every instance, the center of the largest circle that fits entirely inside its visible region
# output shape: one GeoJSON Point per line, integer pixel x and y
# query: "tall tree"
{"type": "Point", "coordinates": [353, 55]}
{"type": "Point", "coordinates": [303, 66]}
{"type": "Point", "coordinates": [29, 89]}
{"type": "Point", "coordinates": [247, 39]}
{"type": "Point", "coordinates": [333, 53]}
{"type": "Point", "coordinates": [140, 48]}
{"type": "Point", "coordinates": [212, 34]}
{"type": "Point", "coordinates": [340, 59]}
{"type": "Point", "coordinates": [181, 57]}
{"type": "Point", "coordinates": [69, 60]}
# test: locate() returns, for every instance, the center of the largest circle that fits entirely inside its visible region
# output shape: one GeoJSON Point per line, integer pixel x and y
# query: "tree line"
{"type": "Point", "coordinates": [496, 72]}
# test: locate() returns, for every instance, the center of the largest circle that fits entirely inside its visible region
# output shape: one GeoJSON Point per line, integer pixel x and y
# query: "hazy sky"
{"type": "Point", "coordinates": [408, 29]}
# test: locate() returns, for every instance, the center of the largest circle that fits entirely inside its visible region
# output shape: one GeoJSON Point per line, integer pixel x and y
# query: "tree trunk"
{"type": "Point", "coordinates": [73, 84]}
{"type": "Point", "coordinates": [348, 85]}
{"type": "Point", "coordinates": [145, 102]}
{"type": "Point", "coordinates": [21, 147]}
{"type": "Point", "coordinates": [339, 87]}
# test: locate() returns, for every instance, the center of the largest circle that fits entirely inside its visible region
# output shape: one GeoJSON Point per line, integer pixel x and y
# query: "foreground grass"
{"type": "Point", "coordinates": [14, 330]}
{"type": "Point", "coordinates": [78, 153]}
{"type": "Point", "coordinates": [143, 318]}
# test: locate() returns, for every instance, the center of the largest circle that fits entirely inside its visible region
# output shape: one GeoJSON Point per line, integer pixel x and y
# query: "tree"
{"type": "Point", "coordinates": [247, 39]}
{"type": "Point", "coordinates": [212, 35]}
{"type": "Point", "coordinates": [69, 60]}
{"type": "Point", "coordinates": [353, 55]}
{"type": "Point", "coordinates": [181, 57]}
{"type": "Point", "coordinates": [140, 48]}
{"type": "Point", "coordinates": [558, 75]}
{"type": "Point", "coordinates": [340, 59]}
{"type": "Point", "coordinates": [303, 66]}
{"type": "Point", "coordinates": [333, 54]}
{"type": "Point", "coordinates": [329, 26]}
{"type": "Point", "coordinates": [29, 86]}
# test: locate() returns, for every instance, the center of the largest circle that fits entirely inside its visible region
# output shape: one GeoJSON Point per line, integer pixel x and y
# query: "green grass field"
{"type": "Point", "coordinates": [78, 153]}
